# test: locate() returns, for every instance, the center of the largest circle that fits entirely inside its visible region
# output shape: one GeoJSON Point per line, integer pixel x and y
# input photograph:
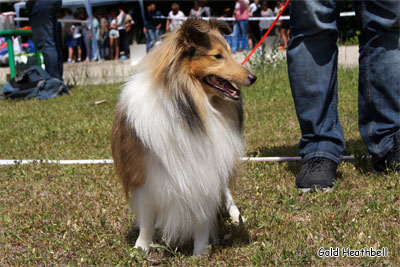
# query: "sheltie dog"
{"type": "Point", "coordinates": [176, 137]}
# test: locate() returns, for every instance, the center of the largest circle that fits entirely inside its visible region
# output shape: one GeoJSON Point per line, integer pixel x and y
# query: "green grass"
{"type": "Point", "coordinates": [76, 215]}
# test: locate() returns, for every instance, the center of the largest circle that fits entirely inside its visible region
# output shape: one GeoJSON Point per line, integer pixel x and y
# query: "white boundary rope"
{"type": "Point", "coordinates": [110, 161]}
{"type": "Point", "coordinates": [343, 14]}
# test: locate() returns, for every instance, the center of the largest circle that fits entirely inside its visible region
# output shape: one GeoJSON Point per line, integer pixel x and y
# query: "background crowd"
{"type": "Point", "coordinates": [116, 29]}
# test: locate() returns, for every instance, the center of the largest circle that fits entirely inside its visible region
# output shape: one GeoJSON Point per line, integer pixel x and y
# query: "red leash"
{"type": "Point", "coordinates": [266, 34]}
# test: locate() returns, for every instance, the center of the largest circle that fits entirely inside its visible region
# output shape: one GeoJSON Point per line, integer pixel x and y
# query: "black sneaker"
{"type": "Point", "coordinates": [317, 174]}
{"type": "Point", "coordinates": [391, 161]}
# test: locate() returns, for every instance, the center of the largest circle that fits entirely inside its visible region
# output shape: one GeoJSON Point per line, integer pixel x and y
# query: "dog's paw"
{"type": "Point", "coordinates": [203, 251]}
{"type": "Point", "coordinates": [142, 245]}
{"type": "Point", "coordinates": [235, 215]}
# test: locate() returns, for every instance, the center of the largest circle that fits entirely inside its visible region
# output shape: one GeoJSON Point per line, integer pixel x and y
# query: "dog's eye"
{"type": "Point", "coordinates": [218, 56]}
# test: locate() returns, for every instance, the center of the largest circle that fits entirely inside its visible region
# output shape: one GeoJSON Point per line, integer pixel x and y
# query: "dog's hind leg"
{"type": "Point", "coordinates": [232, 209]}
{"type": "Point", "coordinates": [146, 216]}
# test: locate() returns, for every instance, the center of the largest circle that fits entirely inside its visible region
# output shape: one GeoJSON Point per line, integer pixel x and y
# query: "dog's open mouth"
{"type": "Point", "coordinates": [223, 86]}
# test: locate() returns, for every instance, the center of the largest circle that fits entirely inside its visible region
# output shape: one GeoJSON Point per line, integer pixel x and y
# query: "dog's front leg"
{"type": "Point", "coordinates": [201, 238]}
{"type": "Point", "coordinates": [232, 209]}
{"type": "Point", "coordinates": [146, 219]}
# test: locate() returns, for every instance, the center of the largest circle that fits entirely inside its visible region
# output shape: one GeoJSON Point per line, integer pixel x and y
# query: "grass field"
{"type": "Point", "coordinates": [76, 215]}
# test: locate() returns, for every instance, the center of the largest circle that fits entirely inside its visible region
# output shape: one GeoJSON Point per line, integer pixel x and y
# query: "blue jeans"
{"type": "Point", "coordinates": [43, 19]}
{"type": "Point", "coordinates": [152, 37]}
{"type": "Point", "coordinates": [312, 65]}
{"type": "Point", "coordinates": [240, 33]}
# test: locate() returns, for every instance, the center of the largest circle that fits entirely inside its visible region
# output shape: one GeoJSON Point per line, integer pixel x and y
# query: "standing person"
{"type": "Point", "coordinates": [43, 19]}
{"type": "Point", "coordinates": [254, 11]}
{"type": "Point", "coordinates": [195, 11]}
{"type": "Point", "coordinates": [312, 64]}
{"type": "Point", "coordinates": [200, 9]}
{"type": "Point", "coordinates": [87, 37]}
{"type": "Point", "coordinates": [177, 18]}
{"type": "Point", "coordinates": [241, 14]}
{"type": "Point", "coordinates": [152, 29]}
{"type": "Point", "coordinates": [104, 27]}
{"type": "Point", "coordinates": [285, 27]}
{"type": "Point", "coordinates": [67, 33]}
{"type": "Point", "coordinates": [277, 10]}
{"type": "Point", "coordinates": [76, 42]}
{"type": "Point", "coordinates": [123, 41]}
{"type": "Point", "coordinates": [265, 13]}
{"type": "Point", "coordinates": [129, 24]}
{"type": "Point", "coordinates": [114, 36]}
{"type": "Point", "coordinates": [205, 11]}
{"type": "Point", "coordinates": [96, 40]}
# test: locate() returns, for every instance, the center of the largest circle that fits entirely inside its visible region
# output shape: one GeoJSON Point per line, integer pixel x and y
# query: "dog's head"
{"type": "Point", "coordinates": [207, 56]}
{"type": "Point", "coordinates": [198, 50]}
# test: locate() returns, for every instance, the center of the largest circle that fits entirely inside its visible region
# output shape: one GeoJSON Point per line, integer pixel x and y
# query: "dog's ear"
{"type": "Point", "coordinates": [194, 30]}
{"type": "Point", "coordinates": [221, 26]}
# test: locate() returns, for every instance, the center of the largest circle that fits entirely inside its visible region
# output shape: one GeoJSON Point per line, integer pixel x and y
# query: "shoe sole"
{"type": "Point", "coordinates": [313, 190]}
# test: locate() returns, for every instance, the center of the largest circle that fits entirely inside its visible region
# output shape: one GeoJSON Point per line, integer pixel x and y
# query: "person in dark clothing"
{"type": "Point", "coordinates": [152, 29]}
{"type": "Point", "coordinates": [43, 19]}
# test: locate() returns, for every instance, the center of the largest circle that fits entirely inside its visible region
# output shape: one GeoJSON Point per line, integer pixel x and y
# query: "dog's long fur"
{"type": "Point", "coordinates": [176, 140]}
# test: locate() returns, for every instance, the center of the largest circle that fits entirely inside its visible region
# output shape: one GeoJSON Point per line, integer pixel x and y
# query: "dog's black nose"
{"type": "Point", "coordinates": [252, 78]}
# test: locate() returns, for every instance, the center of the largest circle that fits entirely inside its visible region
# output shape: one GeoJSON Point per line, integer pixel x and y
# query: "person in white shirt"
{"type": "Point", "coordinates": [265, 12]}
{"type": "Point", "coordinates": [123, 41]}
{"type": "Point", "coordinates": [114, 36]}
{"type": "Point", "coordinates": [253, 7]}
{"type": "Point", "coordinates": [176, 15]}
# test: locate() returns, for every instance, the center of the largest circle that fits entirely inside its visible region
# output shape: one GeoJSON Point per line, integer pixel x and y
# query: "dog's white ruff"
{"type": "Point", "coordinates": [187, 171]}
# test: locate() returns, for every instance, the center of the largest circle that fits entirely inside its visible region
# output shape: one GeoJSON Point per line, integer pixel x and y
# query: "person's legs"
{"type": "Point", "coordinates": [116, 40]}
{"type": "Point", "coordinates": [312, 65]}
{"type": "Point", "coordinates": [236, 36]}
{"type": "Point", "coordinates": [79, 48]}
{"type": "Point", "coordinates": [58, 41]}
{"type": "Point", "coordinates": [243, 28]}
{"type": "Point", "coordinates": [379, 70]}
{"type": "Point", "coordinates": [104, 46]}
{"type": "Point", "coordinates": [94, 47]}
{"type": "Point", "coordinates": [99, 52]}
{"type": "Point", "coordinates": [86, 41]}
{"type": "Point", "coordinates": [152, 37]}
{"type": "Point", "coordinates": [148, 40]}
{"type": "Point", "coordinates": [111, 48]}
{"type": "Point", "coordinates": [43, 17]}
{"type": "Point", "coordinates": [157, 35]}
{"type": "Point", "coordinates": [71, 54]}
{"type": "Point", "coordinates": [284, 37]}
{"type": "Point", "coordinates": [123, 42]}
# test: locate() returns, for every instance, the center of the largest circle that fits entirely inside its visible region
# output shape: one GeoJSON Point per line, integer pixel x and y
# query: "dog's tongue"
{"type": "Point", "coordinates": [224, 86]}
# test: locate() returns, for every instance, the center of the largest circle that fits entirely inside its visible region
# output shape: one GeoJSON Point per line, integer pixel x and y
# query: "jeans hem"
{"type": "Point", "coordinates": [322, 154]}
{"type": "Point", "coordinates": [389, 146]}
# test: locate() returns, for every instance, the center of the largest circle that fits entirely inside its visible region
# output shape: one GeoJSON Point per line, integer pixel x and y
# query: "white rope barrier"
{"type": "Point", "coordinates": [110, 161]}
{"type": "Point", "coordinates": [343, 14]}
{"type": "Point", "coordinates": [62, 20]}
{"type": "Point", "coordinates": [60, 162]}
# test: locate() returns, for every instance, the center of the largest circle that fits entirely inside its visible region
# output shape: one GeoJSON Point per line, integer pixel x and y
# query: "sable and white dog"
{"type": "Point", "coordinates": [176, 135]}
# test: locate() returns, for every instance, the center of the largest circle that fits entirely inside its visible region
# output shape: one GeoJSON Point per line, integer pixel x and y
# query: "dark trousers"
{"type": "Point", "coordinates": [123, 42]}
{"type": "Point", "coordinates": [43, 19]}
{"type": "Point", "coordinates": [312, 57]}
